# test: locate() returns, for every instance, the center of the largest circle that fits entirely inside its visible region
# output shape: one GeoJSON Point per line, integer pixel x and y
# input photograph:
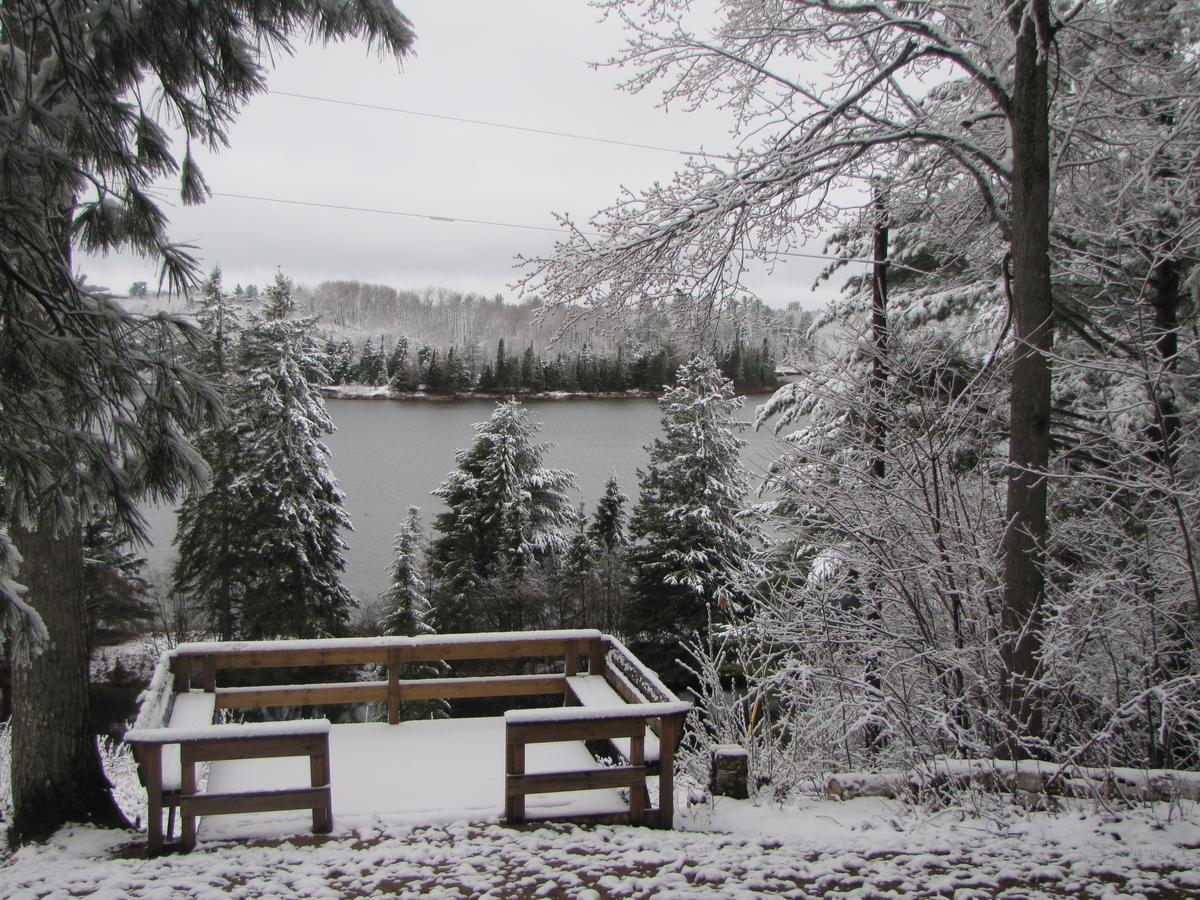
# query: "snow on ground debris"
{"type": "Point", "coordinates": [866, 848]}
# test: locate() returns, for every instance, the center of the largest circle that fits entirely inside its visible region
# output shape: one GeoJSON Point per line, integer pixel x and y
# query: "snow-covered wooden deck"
{"type": "Point", "coordinates": [530, 764]}
{"type": "Point", "coordinates": [423, 772]}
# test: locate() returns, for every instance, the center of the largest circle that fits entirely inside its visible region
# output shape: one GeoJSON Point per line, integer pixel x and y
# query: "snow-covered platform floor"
{"type": "Point", "coordinates": [425, 772]}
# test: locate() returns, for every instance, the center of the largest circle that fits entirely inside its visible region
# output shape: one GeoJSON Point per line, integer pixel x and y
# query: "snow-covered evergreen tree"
{"type": "Point", "coordinates": [506, 513]}
{"type": "Point", "coordinates": [577, 581]}
{"type": "Point", "coordinates": [406, 601]}
{"type": "Point", "coordinates": [607, 531]}
{"type": "Point", "coordinates": [689, 546]}
{"type": "Point", "coordinates": [210, 536]}
{"type": "Point", "coordinates": [261, 545]}
{"type": "Point", "coordinates": [292, 505]}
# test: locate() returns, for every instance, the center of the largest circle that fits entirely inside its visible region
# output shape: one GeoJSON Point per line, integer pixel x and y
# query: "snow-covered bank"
{"type": "Point", "coordinates": [383, 392]}
{"type": "Point", "coordinates": [867, 848]}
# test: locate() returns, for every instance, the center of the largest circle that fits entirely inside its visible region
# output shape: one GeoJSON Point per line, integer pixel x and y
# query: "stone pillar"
{"type": "Point", "coordinates": [730, 772]}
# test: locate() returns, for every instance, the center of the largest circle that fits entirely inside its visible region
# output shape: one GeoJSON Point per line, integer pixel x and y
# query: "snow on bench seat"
{"type": "Point", "coordinates": [594, 692]}
{"type": "Point", "coordinates": [192, 710]}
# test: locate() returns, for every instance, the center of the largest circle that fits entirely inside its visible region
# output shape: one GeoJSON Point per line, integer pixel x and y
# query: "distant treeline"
{"type": "Point", "coordinates": [441, 319]}
{"type": "Point", "coordinates": [379, 362]}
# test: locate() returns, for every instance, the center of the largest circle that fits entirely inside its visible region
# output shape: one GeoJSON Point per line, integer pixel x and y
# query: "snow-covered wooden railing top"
{"type": "Point", "coordinates": [388, 642]}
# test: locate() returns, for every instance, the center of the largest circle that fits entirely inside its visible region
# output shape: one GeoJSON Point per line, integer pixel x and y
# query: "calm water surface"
{"type": "Point", "coordinates": [388, 455]}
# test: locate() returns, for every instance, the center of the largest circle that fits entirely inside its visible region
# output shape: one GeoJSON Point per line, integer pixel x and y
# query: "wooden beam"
{"type": "Point", "coordinates": [581, 780]}
{"type": "Point", "coordinates": [576, 730]}
{"type": "Point", "coordinates": [489, 686]}
{"type": "Point", "coordinates": [302, 695]}
{"type": "Point", "coordinates": [192, 805]}
{"type": "Point", "coordinates": [214, 749]}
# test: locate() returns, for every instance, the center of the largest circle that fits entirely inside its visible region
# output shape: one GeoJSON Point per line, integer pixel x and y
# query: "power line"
{"type": "Point", "coordinates": [456, 220]}
{"type": "Point", "coordinates": [387, 212]}
{"type": "Point", "coordinates": [504, 125]}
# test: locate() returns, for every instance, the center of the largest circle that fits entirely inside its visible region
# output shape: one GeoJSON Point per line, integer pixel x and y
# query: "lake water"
{"type": "Point", "coordinates": [388, 455]}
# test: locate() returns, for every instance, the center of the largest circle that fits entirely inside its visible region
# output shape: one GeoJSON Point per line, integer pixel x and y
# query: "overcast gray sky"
{"type": "Point", "coordinates": [521, 63]}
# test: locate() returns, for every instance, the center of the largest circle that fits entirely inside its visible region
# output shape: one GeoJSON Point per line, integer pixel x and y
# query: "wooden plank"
{"type": "Point", "coordinates": [490, 686]}
{"type": "Point", "coordinates": [580, 780]}
{"type": "Point", "coordinates": [302, 695]}
{"type": "Point", "coordinates": [526, 647]}
{"type": "Point", "coordinates": [192, 805]}
{"type": "Point", "coordinates": [221, 748]}
{"type": "Point", "coordinates": [576, 730]}
{"type": "Point", "coordinates": [267, 658]}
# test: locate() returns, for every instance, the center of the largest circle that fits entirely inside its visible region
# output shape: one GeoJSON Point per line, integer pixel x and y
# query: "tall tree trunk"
{"type": "Point", "coordinates": [874, 733]}
{"type": "Point", "coordinates": [1022, 615]}
{"type": "Point", "coordinates": [56, 771]}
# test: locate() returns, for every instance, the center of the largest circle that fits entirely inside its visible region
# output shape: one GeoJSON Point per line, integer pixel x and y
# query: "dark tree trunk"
{"type": "Point", "coordinates": [1022, 614]}
{"type": "Point", "coordinates": [877, 426]}
{"type": "Point", "coordinates": [56, 771]}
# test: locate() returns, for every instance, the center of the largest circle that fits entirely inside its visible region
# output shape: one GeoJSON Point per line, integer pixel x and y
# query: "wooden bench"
{"type": "Point", "coordinates": [623, 725]}
{"type": "Point", "coordinates": [167, 759]}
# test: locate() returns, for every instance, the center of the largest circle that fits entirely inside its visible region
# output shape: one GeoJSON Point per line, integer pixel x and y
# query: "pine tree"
{"type": "Point", "coordinates": [407, 610]}
{"type": "Point", "coordinates": [607, 531]}
{"type": "Point", "coordinates": [397, 366]}
{"type": "Point", "coordinates": [406, 599]}
{"type": "Point", "coordinates": [292, 506]}
{"type": "Point", "coordinates": [210, 537]}
{"type": "Point", "coordinates": [94, 401]}
{"type": "Point", "coordinates": [260, 547]}
{"type": "Point", "coordinates": [119, 601]}
{"type": "Point", "coordinates": [689, 546]}
{"type": "Point", "coordinates": [577, 577]}
{"type": "Point", "coordinates": [506, 513]}
{"type": "Point", "coordinates": [608, 522]}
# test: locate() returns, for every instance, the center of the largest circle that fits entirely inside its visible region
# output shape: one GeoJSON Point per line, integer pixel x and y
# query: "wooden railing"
{"type": "Point", "coordinates": [204, 661]}
{"type": "Point", "coordinates": [639, 701]}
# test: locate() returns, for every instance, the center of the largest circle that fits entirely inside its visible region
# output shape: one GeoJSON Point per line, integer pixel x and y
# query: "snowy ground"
{"type": "Point", "coordinates": [866, 848]}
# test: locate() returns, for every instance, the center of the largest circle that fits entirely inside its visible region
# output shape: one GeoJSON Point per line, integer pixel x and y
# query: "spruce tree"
{"type": "Point", "coordinates": [607, 531]}
{"type": "Point", "coordinates": [407, 610]}
{"type": "Point", "coordinates": [94, 403]}
{"type": "Point", "coordinates": [406, 602]}
{"type": "Point", "coordinates": [292, 507]}
{"type": "Point", "coordinates": [506, 513]}
{"type": "Point", "coordinates": [260, 546]}
{"type": "Point", "coordinates": [209, 535]}
{"type": "Point", "coordinates": [689, 545]}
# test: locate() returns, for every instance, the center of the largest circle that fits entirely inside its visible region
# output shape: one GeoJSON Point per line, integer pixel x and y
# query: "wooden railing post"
{"type": "Point", "coordinates": [318, 767]}
{"type": "Point", "coordinates": [596, 653]}
{"type": "Point", "coordinates": [571, 659]}
{"type": "Point", "coordinates": [514, 764]}
{"type": "Point", "coordinates": [668, 738]}
{"type": "Point", "coordinates": [393, 688]}
{"type": "Point", "coordinates": [187, 788]}
{"type": "Point", "coordinates": [150, 757]}
{"type": "Point", "coordinates": [181, 668]}
{"type": "Point", "coordinates": [638, 793]}
{"type": "Point", "coordinates": [210, 674]}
